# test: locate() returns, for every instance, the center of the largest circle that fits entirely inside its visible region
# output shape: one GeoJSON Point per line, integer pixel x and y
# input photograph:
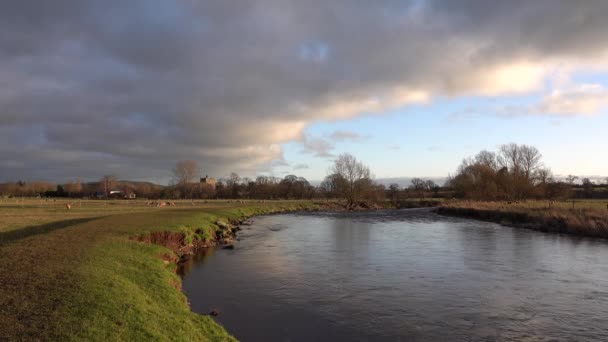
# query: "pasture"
{"type": "Point", "coordinates": [75, 274]}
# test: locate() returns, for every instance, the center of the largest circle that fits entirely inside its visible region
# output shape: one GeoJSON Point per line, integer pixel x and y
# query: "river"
{"type": "Point", "coordinates": [402, 275]}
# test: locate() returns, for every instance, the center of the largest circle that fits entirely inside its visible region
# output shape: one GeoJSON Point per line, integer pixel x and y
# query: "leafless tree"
{"type": "Point", "coordinates": [510, 158]}
{"type": "Point", "coordinates": [544, 175]}
{"type": "Point", "coordinates": [515, 172]}
{"type": "Point", "coordinates": [488, 159]}
{"type": "Point", "coordinates": [232, 184]}
{"type": "Point", "coordinates": [571, 179]}
{"type": "Point", "coordinates": [106, 184]}
{"type": "Point", "coordinates": [355, 175]}
{"type": "Point", "coordinates": [73, 187]}
{"type": "Point", "coordinates": [331, 185]}
{"type": "Point", "coordinates": [185, 171]}
{"type": "Point", "coordinates": [418, 184]}
{"type": "Point", "coordinates": [393, 192]}
{"type": "Point", "coordinates": [530, 160]}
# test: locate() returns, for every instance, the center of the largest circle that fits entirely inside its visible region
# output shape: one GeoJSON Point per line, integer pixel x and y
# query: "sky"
{"type": "Point", "coordinates": [92, 87]}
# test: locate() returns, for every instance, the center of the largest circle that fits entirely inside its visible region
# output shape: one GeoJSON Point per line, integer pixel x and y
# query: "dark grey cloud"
{"type": "Point", "coordinates": [89, 87]}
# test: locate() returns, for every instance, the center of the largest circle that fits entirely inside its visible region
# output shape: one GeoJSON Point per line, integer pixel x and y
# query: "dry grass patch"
{"type": "Point", "coordinates": [585, 218]}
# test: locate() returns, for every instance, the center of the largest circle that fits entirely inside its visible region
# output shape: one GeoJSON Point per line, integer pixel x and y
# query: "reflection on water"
{"type": "Point", "coordinates": [402, 275]}
{"type": "Point", "coordinates": [186, 264]}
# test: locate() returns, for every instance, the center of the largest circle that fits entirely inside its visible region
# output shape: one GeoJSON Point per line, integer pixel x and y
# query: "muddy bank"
{"type": "Point", "coordinates": [183, 244]}
{"type": "Point", "coordinates": [580, 222]}
{"type": "Point", "coordinates": [222, 232]}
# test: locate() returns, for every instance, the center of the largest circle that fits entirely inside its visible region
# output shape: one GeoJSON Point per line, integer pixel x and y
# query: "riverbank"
{"type": "Point", "coordinates": [106, 270]}
{"type": "Point", "coordinates": [87, 277]}
{"type": "Point", "coordinates": [590, 220]}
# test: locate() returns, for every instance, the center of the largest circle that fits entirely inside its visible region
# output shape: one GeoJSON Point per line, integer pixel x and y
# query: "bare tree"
{"type": "Point", "coordinates": [515, 172]}
{"type": "Point", "coordinates": [571, 179]}
{"type": "Point", "coordinates": [488, 159]}
{"type": "Point", "coordinates": [393, 192]}
{"type": "Point", "coordinates": [185, 171]}
{"type": "Point", "coordinates": [417, 184]}
{"type": "Point", "coordinates": [73, 187]}
{"type": "Point", "coordinates": [543, 175]}
{"type": "Point", "coordinates": [233, 183]}
{"type": "Point", "coordinates": [331, 185]}
{"type": "Point", "coordinates": [529, 159]}
{"type": "Point", "coordinates": [106, 184]}
{"type": "Point", "coordinates": [510, 158]}
{"type": "Point", "coordinates": [355, 175]}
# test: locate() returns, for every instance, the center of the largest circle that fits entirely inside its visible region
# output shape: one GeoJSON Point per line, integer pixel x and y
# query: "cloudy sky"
{"type": "Point", "coordinates": [93, 87]}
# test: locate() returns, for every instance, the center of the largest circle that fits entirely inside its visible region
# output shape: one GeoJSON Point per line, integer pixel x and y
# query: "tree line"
{"type": "Point", "coordinates": [513, 172]}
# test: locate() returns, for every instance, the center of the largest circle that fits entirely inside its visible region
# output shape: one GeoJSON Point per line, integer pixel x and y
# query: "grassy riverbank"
{"type": "Point", "coordinates": [583, 218]}
{"type": "Point", "coordinates": [76, 274]}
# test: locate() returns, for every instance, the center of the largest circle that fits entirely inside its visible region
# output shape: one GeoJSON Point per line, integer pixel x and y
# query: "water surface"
{"type": "Point", "coordinates": [406, 275]}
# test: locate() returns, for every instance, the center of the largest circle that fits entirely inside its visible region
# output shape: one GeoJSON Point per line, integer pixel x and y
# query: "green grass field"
{"type": "Point", "coordinates": [75, 274]}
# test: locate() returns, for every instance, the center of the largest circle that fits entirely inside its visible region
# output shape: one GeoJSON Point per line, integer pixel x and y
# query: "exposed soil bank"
{"type": "Point", "coordinates": [188, 242]}
{"type": "Point", "coordinates": [185, 244]}
{"type": "Point", "coordinates": [181, 245]}
{"type": "Point", "coordinates": [223, 232]}
{"type": "Point", "coordinates": [581, 222]}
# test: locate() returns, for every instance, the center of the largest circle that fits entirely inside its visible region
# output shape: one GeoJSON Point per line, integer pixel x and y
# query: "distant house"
{"type": "Point", "coordinates": [208, 181]}
{"type": "Point", "coordinates": [115, 194]}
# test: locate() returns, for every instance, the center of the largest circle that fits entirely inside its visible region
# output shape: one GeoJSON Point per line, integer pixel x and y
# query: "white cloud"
{"type": "Point", "coordinates": [584, 99]}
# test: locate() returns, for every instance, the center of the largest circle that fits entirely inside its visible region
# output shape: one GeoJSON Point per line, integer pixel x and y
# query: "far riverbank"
{"type": "Point", "coordinates": [590, 220]}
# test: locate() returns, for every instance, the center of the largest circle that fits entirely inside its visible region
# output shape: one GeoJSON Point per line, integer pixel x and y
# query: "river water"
{"type": "Point", "coordinates": [402, 275]}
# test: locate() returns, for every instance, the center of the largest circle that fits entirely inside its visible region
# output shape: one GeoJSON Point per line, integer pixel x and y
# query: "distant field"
{"type": "Point", "coordinates": [75, 274]}
{"type": "Point", "coordinates": [17, 213]}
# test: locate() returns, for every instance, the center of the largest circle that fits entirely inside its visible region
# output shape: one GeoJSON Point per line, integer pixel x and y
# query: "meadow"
{"type": "Point", "coordinates": [77, 275]}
